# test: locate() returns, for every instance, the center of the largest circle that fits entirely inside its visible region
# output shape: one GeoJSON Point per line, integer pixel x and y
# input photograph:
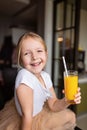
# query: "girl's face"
{"type": "Point", "coordinates": [33, 55]}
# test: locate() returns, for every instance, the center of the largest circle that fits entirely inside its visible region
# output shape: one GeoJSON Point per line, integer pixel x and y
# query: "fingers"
{"type": "Point", "coordinates": [78, 97]}
{"type": "Point", "coordinates": [78, 89]}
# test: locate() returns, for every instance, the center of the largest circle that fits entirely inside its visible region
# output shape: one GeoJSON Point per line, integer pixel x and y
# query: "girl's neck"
{"type": "Point", "coordinates": [38, 75]}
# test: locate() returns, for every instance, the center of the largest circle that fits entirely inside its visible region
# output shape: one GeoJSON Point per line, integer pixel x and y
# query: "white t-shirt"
{"type": "Point", "coordinates": [41, 94]}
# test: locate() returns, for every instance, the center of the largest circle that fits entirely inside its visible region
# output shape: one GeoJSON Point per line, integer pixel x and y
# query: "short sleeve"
{"type": "Point", "coordinates": [24, 77]}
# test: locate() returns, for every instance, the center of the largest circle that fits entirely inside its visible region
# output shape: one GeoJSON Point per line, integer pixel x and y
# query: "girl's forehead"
{"type": "Point", "coordinates": [31, 42]}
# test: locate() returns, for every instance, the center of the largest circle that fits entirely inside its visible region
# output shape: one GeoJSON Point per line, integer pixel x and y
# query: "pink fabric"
{"type": "Point", "coordinates": [45, 120]}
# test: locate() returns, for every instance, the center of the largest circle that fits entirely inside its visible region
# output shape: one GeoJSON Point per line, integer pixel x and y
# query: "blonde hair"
{"type": "Point", "coordinates": [22, 38]}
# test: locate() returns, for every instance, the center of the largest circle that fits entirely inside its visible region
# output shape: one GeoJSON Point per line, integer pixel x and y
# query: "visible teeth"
{"type": "Point", "coordinates": [35, 64]}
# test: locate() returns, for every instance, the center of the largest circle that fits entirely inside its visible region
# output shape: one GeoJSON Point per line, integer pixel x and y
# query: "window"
{"type": "Point", "coordinates": [65, 36]}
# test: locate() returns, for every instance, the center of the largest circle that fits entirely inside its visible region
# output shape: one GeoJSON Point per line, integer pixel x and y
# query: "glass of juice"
{"type": "Point", "coordinates": [70, 84]}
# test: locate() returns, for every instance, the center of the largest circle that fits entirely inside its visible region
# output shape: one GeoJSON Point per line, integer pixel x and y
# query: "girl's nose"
{"type": "Point", "coordinates": [34, 56]}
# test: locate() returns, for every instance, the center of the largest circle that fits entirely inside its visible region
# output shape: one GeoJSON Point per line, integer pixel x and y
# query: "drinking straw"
{"type": "Point", "coordinates": [64, 62]}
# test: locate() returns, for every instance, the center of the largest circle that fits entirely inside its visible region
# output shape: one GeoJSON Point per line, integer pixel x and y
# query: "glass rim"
{"type": "Point", "coordinates": [71, 72]}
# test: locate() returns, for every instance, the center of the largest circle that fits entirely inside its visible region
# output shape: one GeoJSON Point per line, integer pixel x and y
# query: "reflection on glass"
{"type": "Point", "coordinates": [70, 15]}
{"type": "Point", "coordinates": [59, 16]}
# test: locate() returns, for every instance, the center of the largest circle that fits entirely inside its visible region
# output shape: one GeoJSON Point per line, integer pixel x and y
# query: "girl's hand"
{"type": "Point", "coordinates": [77, 99]}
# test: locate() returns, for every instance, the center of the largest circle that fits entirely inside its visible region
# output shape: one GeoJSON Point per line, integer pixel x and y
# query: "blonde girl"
{"type": "Point", "coordinates": [36, 102]}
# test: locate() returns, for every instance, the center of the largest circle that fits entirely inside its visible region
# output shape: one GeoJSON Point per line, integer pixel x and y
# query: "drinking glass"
{"type": "Point", "coordinates": [70, 84]}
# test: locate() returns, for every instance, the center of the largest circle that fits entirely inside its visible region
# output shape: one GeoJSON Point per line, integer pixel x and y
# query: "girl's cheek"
{"type": "Point", "coordinates": [25, 62]}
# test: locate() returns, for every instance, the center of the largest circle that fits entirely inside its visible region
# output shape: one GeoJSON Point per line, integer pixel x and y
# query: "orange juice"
{"type": "Point", "coordinates": [70, 85]}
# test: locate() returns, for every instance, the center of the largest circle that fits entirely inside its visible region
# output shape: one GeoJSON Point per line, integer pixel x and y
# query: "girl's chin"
{"type": "Point", "coordinates": [36, 72]}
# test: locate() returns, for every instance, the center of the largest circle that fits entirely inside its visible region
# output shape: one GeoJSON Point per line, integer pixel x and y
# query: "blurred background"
{"type": "Point", "coordinates": [62, 24]}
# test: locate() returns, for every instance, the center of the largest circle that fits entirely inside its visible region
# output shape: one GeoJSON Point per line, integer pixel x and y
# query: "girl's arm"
{"type": "Point", "coordinates": [56, 104]}
{"type": "Point", "coordinates": [25, 97]}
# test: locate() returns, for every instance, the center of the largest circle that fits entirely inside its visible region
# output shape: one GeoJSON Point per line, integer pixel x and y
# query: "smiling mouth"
{"type": "Point", "coordinates": [36, 64]}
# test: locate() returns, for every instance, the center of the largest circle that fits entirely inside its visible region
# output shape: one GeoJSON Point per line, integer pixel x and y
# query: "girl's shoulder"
{"type": "Point", "coordinates": [26, 77]}
{"type": "Point", "coordinates": [23, 72]}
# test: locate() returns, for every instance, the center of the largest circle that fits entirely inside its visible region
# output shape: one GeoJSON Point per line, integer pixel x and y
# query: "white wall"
{"type": "Point", "coordinates": [16, 33]}
{"type": "Point", "coordinates": [49, 32]}
{"type": "Point", "coordinates": [83, 34]}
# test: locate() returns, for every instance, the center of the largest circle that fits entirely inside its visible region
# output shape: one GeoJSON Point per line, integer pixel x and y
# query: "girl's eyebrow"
{"type": "Point", "coordinates": [29, 50]}
{"type": "Point", "coordinates": [40, 48]}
